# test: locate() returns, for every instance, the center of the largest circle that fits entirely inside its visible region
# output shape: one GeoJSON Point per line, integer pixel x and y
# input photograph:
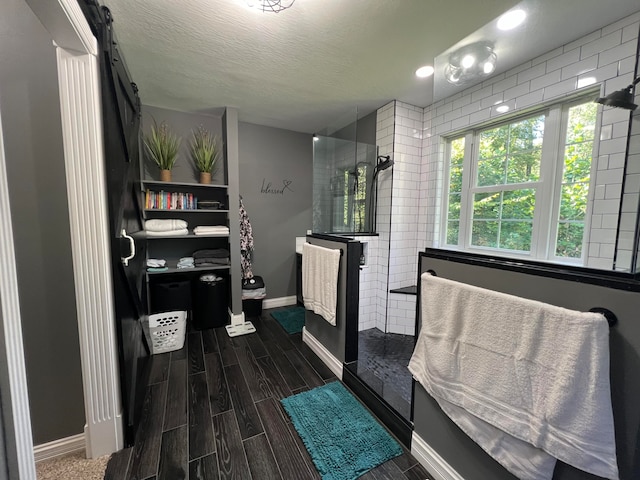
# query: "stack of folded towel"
{"type": "Point", "coordinates": [156, 265]}
{"type": "Point", "coordinates": [157, 227]}
{"type": "Point", "coordinates": [186, 262]}
{"type": "Point", "coordinates": [211, 230]}
{"type": "Point", "coordinates": [211, 257]}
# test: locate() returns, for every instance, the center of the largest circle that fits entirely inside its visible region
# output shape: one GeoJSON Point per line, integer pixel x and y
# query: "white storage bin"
{"type": "Point", "coordinates": [167, 331]}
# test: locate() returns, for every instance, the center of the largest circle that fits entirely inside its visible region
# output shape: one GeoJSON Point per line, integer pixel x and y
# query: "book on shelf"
{"type": "Point", "coordinates": [170, 200]}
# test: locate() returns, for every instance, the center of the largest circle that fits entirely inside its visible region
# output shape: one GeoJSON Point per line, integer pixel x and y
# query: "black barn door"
{"type": "Point", "coordinates": [121, 121]}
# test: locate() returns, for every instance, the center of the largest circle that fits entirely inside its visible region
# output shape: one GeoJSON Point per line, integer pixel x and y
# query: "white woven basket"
{"type": "Point", "coordinates": [168, 331]}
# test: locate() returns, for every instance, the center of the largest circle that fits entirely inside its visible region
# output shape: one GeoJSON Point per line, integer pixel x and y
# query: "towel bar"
{"type": "Point", "coordinates": [341, 251]}
{"type": "Point", "coordinates": [608, 314]}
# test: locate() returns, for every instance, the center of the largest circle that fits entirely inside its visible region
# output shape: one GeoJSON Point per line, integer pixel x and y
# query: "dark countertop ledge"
{"type": "Point", "coordinates": [410, 290]}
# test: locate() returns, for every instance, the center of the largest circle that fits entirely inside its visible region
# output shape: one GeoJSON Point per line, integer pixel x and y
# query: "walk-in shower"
{"type": "Point", "coordinates": [349, 178]}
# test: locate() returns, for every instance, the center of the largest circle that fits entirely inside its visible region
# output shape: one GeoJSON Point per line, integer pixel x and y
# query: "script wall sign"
{"type": "Point", "coordinates": [276, 188]}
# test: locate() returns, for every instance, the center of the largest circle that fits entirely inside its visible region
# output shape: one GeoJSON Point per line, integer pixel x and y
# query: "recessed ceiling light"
{"type": "Point", "coordinates": [502, 108]}
{"type": "Point", "coordinates": [425, 71]}
{"type": "Point", "coordinates": [511, 19]}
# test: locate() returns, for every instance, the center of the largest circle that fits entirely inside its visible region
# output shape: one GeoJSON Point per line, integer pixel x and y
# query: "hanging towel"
{"type": "Point", "coordinates": [320, 280]}
{"type": "Point", "coordinates": [246, 243]}
{"type": "Point", "coordinates": [163, 225]}
{"type": "Point", "coordinates": [528, 381]}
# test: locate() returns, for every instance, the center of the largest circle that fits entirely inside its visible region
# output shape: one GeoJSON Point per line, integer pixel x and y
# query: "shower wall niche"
{"type": "Point", "coordinates": [343, 185]}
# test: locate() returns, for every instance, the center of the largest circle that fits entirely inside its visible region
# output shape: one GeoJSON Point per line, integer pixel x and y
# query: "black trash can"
{"type": "Point", "coordinates": [253, 292]}
{"type": "Point", "coordinates": [210, 302]}
{"type": "Point", "coordinates": [169, 295]}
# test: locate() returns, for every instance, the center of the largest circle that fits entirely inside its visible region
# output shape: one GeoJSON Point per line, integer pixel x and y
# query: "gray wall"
{"type": "Point", "coordinates": [465, 456]}
{"type": "Point", "coordinates": [362, 130]}
{"type": "Point", "coordinates": [367, 128]}
{"type": "Point", "coordinates": [32, 131]}
{"type": "Point", "coordinates": [279, 211]}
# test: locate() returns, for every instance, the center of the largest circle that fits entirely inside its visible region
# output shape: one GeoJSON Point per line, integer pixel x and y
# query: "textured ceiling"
{"type": "Point", "coordinates": [301, 69]}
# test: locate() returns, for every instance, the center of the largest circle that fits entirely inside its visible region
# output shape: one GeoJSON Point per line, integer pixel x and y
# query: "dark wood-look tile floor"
{"type": "Point", "coordinates": [212, 412]}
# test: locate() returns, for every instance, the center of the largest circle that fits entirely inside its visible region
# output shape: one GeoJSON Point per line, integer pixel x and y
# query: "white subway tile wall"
{"type": "Point", "coordinates": [368, 312]}
{"type": "Point", "coordinates": [402, 190]}
{"type": "Point", "coordinates": [608, 55]}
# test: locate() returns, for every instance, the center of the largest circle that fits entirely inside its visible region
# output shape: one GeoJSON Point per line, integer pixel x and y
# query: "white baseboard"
{"type": "Point", "coordinates": [279, 302]}
{"type": "Point", "coordinates": [325, 355]}
{"type": "Point", "coordinates": [58, 448]}
{"type": "Point", "coordinates": [431, 461]}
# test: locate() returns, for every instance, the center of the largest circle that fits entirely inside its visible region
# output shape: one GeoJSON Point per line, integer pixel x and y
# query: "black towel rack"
{"type": "Point", "coordinates": [608, 314]}
{"type": "Point", "coordinates": [612, 320]}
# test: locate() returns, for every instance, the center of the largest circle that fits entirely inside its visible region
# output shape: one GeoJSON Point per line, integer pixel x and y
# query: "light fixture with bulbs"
{"type": "Point", "coordinates": [471, 62]}
{"type": "Point", "coordinates": [275, 6]}
{"type": "Point", "coordinates": [621, 98]}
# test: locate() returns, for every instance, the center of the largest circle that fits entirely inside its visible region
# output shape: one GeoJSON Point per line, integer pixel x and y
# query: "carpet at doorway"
{"type": "Point", "coordinates": [341, 436]}
{"type": "Point", "coordinates": [73, 466]}
{"type": "Point", "coordinates": [291, 319]}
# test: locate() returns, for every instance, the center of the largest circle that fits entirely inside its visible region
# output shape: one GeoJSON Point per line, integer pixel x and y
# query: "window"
{"type": "Point", "coordinates": [522, 187]}
{"type": "Point", "coordinates": [351, 190]}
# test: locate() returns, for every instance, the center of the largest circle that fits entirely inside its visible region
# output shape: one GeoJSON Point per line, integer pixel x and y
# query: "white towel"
{"type": "Point", "coordinates": [528, 381]}
{"type": "Point", "coordinates": [320, 280]}
{"type": "Point", "coordinates": [211, 230]}
{"type": "Point", "coordinates": [168, 233]}
{"type": "Point", "coordinates": [163, 225]}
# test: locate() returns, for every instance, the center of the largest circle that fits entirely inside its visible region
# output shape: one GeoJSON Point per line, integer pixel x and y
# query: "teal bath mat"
{"type": "Point", "coordinates": [342, 437]}
{"type": "Point", "coordinates": [291, 319]}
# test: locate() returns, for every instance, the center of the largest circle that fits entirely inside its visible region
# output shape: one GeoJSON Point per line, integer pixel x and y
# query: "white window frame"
{"type": "Point", "coordinates": [548, 187]}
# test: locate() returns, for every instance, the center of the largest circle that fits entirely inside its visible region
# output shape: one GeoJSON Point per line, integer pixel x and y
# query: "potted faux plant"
{"type": "Point", "coordinates": [204, 150]}
{"type": "Point", "coordinates": [162, 147]}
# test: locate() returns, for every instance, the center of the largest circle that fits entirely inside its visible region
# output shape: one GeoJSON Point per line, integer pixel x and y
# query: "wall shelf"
{"type": "Point", "coordinates": [189, 235]}
{"type": "Point", "coordinates": [173, 247]}
{"type": "Point", "coordinates": [180, 185]}
{"type": "Point", "coordinates": [184, 210]}
{"type": "Point", "coordinates": [172, 269]}
{"type": "Point", "coordinates": [222, 208]}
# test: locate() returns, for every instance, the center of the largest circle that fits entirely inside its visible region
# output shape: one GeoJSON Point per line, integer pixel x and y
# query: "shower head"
{"type": "Point", "coordinates": [384, 162]}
